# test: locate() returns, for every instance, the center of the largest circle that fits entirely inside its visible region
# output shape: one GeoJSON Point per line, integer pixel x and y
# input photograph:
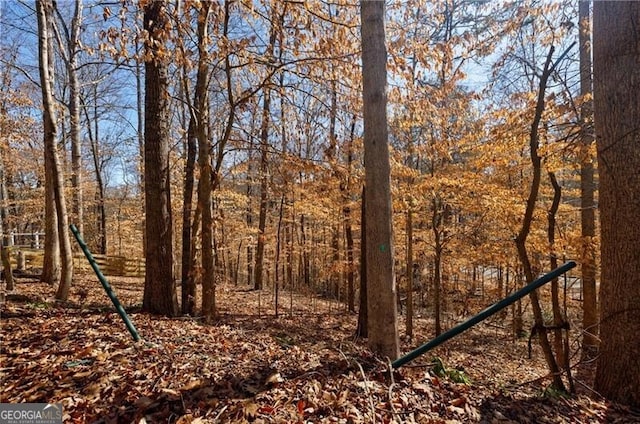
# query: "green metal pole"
{"type": "Point", "coordinates": [483, 315]}
{"type": "Point", "coordinates": [105, 284]}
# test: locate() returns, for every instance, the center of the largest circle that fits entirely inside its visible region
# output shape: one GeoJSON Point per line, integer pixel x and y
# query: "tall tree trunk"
{"type": "Point", "coordinates": [205, 188]}
{"type": "Point", "coordinates": [44, 11]}
{"type": "Point", "coordinates": [336, 272]}
{"type": "Point", "coordinates": [616, 55]}
{"type": "Point", "coordinates": [437, 292]}
{"type": "Point", "coordinates": [330, 154]}
{"type": "Point", "coordinates": [277, 262]}
{"type": "Point", "coordinates": [559, 320]}
{"type": "Point", "coordinates": [249, 216]}
{"type": "Point", "coordinates": [363, 319]}
{"type": "Point", "coordinates": [159, 289]}
{"type": "Point", "coordinates": [587, 190]}
{"type": "Point", "coordinates": [346, 210]}
{"type": "Point", "coordinates": [5, 242]}
{"type": "Point", "coordinates": [264, 152]}
{"type": "Point", "coordinates": [436, 223]}
{"type": "Point", "coordinates": [187, 271]}
{"type": "Point", "coordinates": [409, 274]}
{"type": "Point", "coordinates": [521, 238]}
{"type": "Point", "coordinates": [52, 266]}
{"type": "Point", "coordinates": [381, 284]}
{"type": "Point", "coordinates": [74, 115]}
{"type": "Point", "coordinates": [264, 187]}
{"type": "Point", "coordinates": [188, 283]}
{"type": "Point", "coordinates": [94, 140]}
{"type": "Point", "coordinates": [140, 109]}
{"type": "Point", "coordinates": [6, 239]}
{"type": "Point", "coordinates": [306, 265]}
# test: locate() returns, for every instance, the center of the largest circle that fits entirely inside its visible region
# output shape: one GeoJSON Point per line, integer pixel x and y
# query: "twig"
{"type": "Point", "coordinates": [220, 413]}
{"type": "Point", "coordinates": [393, 383]}
{"type": "Point", "coordinates": [366, 386]}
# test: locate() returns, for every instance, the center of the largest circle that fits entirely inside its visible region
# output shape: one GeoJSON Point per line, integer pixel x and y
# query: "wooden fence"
{"type": "Point", "coordinates": [120, 266]}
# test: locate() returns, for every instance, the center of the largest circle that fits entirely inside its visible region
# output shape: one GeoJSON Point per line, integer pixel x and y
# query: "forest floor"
{"type": "Point", "coordinates": [304, 366]}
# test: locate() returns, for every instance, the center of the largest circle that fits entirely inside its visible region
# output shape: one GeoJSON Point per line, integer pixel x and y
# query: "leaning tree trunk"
{"type": "Point", "coordinates": [521, 239]}
{"type": "Point", "coordinates": [616, 56]}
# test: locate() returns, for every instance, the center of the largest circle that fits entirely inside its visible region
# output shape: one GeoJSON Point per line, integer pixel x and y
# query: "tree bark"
{"type": "Point", "coordinates": [6, 239]}
{"type": "Point", "coordinates": [94, 141]}
{"type": "Point", "coordinates": [51, 268]}
{"type": "Point", "coordinates": [306, 265]}
{"type": "Point", "coordinates": [346, 210]}
{"type": "Point", "coordinates": [559, 319]}
{"type": "Point", "coordinates": [409, 274]}
{"type": "Point", "coordinates": [363, 319]}
{"type": "Point", "coordinates": [587, 190]}
{"type": "Point", "coordinates": [44, 10]}
{"type": "Point", "coordinates": [159, 291]}
{"type": "Point", "coordinates": [436, 224]}
{"type": "Point", "coordinates": [264, 187]}
{"type": "Point", "coordinates": [264, 155]}
{"type": "Point", "coordinates": [521, 239]}
{"type": "Point", "coordinates": [616, 58]}
{"type": "Point", "coordinates": [206, 172]}
{"type": "Point", "coordinates": [381, 284]}
{"type": "Point", "coordinates": [187, 277]}
{"type": "Point", "coordinates": [74, 115]}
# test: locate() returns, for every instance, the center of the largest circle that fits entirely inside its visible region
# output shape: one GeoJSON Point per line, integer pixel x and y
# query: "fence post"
{"type": "Point", "coordinates": [21, 261]}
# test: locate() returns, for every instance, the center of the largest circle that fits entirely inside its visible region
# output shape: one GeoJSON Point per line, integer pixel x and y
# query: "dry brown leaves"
{"type": "Point", "coordinates": [303, 367]}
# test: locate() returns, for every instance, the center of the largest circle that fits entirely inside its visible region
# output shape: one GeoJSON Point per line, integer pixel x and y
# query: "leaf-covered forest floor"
{"type": "Point", "coordinates": [302, 367]}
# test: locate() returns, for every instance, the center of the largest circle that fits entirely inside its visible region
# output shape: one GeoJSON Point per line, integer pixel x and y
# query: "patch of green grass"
{"type": "Point", "coordinates": [439, 369]}
{"type": "Point", "coordinates": [39, 305]}
{"type": "Point", "coordinates": [551, 392]}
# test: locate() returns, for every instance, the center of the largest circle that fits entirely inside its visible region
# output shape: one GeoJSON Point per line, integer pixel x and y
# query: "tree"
{"type": "Point", "coordinates": [5, 239]}
{"type": "Point", "coordinates": [523, 234]}
{"type": "Point", "coordinates": [5, 132]}
{"type": "Point", "coordinates": [53, 174]}
{"type": "Point", "coordinates": [188, 283]}
{"type": "Point", "coordinates": [381, 284]}
{"type": "Point", "coordinates": [617, 115]}
{"type": "Point", "coordinates": [70, 49]}
{"type": "Point", "coordinates": [201, 113]}
{"type": "Point", "coordinates": [587, 189]}
{"type": "Point", "coordinates": [264, 153]}
{"type": "Point", "coordinates": [159, 286]}
{"type": "Point", "coordinates": [363, 319]}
